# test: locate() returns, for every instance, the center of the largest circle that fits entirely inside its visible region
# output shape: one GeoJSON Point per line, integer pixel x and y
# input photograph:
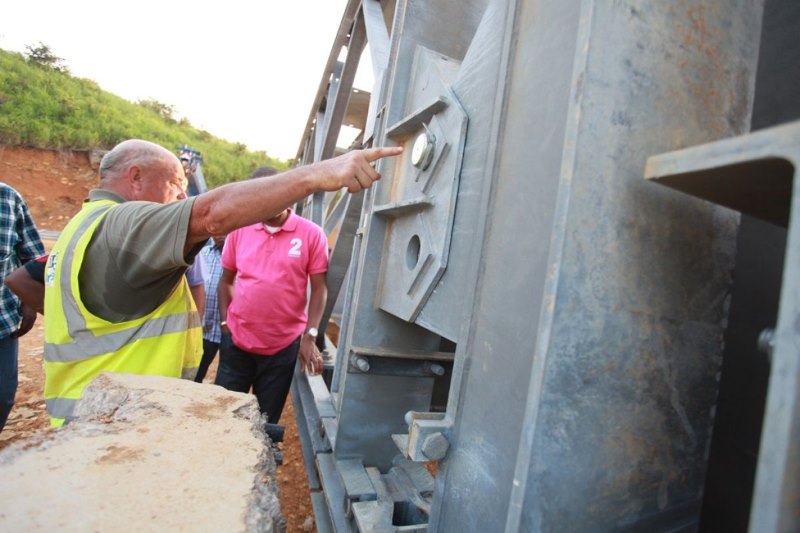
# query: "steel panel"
{"type": "Point", "coordinates": [618, 388]}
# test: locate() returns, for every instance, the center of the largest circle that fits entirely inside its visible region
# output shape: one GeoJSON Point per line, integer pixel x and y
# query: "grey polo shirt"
{"type": "Point", "coordinates": [135, 258]}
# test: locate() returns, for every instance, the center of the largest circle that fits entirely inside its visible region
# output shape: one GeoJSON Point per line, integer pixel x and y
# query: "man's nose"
{"type": "Point", "coordinates": [182, 195]}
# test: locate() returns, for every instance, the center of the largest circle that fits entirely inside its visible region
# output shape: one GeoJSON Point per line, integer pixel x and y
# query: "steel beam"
{"type": "Point", "coordinates": [770, 157]}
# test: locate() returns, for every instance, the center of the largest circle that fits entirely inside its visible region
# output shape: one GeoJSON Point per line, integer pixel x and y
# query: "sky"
{"type": "Point", "coordinates": [245, 71]}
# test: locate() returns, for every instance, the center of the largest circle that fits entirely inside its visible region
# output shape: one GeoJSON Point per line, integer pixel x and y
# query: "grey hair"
{"type": "Point", "coordinates": [127, 153]}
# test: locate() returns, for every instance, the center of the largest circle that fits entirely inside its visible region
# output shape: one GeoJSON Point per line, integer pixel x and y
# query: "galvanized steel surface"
{"type": "Point", "coordinates": [586, 305]}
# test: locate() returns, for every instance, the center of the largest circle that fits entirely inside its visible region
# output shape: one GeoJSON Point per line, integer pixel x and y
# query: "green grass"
{"type": "Point", "coordinates": [43, 108]}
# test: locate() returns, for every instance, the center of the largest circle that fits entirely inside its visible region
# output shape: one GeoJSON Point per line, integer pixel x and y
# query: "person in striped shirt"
{"type": "Point", "coordinates": [19, 243]}
{"type": "Point", "coordinates": [211, 254]}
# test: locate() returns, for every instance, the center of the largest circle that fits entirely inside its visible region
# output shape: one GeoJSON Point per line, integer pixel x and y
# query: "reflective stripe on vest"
{"type": "Point", "coordinates": [60, 407]}
{"type": "Point", "coordinates": [79, 345]}
{"type": "Point", "coordinates": [85, 343]}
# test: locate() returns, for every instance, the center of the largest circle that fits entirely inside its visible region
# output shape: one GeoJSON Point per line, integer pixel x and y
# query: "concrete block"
{"type": "Point", "coordinates": [146, 453]}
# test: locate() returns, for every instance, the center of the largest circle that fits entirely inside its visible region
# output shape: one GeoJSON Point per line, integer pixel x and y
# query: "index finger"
{"type": "Point", "coordinates": [373, 154]}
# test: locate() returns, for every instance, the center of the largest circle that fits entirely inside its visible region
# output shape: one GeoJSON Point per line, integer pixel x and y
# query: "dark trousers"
{"type": "Point", "coordinates": [8, 377]}
{"type": "Point", "coordinates": [209, 352]}
{"type": "Point", "coordinates": [270, 376]}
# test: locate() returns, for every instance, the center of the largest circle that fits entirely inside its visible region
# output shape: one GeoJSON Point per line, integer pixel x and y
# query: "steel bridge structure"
{"type": "Point", "coordinates": [573, 303]}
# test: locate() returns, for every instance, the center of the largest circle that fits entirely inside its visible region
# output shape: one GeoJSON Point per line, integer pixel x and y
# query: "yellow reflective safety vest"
{"type": "Point", "coordinates": [79, 345]}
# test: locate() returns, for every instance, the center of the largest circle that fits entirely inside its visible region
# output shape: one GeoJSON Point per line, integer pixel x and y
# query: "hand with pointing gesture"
{"type": "Point", "coordinates": [354, 169]}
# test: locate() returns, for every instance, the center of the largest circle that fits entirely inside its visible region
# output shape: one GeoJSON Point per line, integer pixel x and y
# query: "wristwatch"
{"type": "Point", "coordinates": [312, 332]}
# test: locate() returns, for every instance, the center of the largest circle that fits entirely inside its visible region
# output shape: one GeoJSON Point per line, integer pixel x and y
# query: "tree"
{"type": "Point", "coordinates": [44, 57]}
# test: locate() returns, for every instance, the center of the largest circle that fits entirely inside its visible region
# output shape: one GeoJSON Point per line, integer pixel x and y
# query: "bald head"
{"type": "Point", "coordinates": [141, 170]}
{"type": "Point", "coordinates": [131, 152]}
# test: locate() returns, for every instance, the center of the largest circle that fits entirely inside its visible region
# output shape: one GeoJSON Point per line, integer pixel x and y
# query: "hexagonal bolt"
{"type": "Point", "coordinates": [436, 369]}
{"type": "Point", "coordinates": [361, 363]}
{"type": "Point", "coordinates": [435, 446]}
{"type": "Point", "coordinates": [422, 148]}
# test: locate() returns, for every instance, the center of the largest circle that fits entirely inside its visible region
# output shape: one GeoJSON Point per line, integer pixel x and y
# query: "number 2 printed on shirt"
{"type": "Point", "coordinates": [295, 249]}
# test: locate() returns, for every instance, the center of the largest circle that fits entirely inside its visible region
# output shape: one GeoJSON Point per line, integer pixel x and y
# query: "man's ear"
{"type": "Point", "coordinates": [133, 176]}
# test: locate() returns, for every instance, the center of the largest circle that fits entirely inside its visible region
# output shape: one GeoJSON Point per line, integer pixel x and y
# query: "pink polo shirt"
{"type": "Point", "coordinates": [268, 311]}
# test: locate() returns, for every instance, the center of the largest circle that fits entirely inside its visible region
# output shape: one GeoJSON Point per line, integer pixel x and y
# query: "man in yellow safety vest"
{"type": "Point", "coordinates": [116, 297]}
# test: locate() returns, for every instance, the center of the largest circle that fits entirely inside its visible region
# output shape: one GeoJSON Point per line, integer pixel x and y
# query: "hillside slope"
{"type": "Point", "coordinates": [53, 183]}
{"type": "Point", "coordinates": [43, 108]}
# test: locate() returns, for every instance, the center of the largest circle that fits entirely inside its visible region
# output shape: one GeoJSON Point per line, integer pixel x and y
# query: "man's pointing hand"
{"type": "Point", "coordinates": [354, 169]}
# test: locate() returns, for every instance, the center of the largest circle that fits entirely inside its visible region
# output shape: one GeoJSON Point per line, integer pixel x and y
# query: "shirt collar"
{"type": "Point", "coordinates": [103, 194]}
{"type": "Point", "coordinates": [289, 225]}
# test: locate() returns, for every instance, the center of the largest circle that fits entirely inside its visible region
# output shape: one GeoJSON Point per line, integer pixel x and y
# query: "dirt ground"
{"type": "Point", "coordinates": [54, 184]}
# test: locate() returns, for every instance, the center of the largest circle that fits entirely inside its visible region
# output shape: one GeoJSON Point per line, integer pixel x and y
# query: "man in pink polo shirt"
{"type": "Point", "coordinates": [263, 314]}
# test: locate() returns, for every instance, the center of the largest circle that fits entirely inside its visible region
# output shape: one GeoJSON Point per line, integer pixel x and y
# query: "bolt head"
{"type": "Point", "coordinates": [435, 446]}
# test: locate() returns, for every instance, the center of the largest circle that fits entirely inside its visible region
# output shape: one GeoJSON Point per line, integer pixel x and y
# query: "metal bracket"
{"type": "Point", "coordinates": [418, 195]}
{"type": "Point", "coordinates": [426, 439]}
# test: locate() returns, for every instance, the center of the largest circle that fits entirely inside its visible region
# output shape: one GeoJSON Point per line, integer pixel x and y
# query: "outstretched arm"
{"type": "Point", "coordinates": [239, 204]}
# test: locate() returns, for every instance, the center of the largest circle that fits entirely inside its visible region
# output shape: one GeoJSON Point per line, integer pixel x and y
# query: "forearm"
{"type": "Point", "coordinates": [316, 305]}
{"type": "Point", "coordinates": [199, 297]}
{"type": "Point", "coordinates": [239, 204]}
{"type": "Point", "coordinates": [30, 291]}
{"type": "Point", "coordinates": [224, 298]}
{"type": "Point", "coordinates": [310, 359]}
{"type": "Point", "coordinates": [236, 205]}
{"type": "Point", "coordinates": [27, 320]}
